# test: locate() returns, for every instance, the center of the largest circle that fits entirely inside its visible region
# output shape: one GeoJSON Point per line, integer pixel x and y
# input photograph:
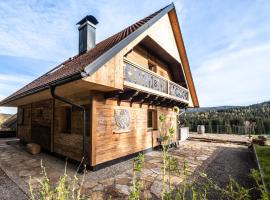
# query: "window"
{"type": "Point", "coordinates": [152, 119]}
{"type": "Point", "coordinates": [66, 120]}
{"type": "Point", "coordinates": [152, 66]}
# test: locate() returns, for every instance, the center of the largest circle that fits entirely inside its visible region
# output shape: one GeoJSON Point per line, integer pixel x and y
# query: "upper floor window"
{"type": "Point", "coordinates": [152, 66]}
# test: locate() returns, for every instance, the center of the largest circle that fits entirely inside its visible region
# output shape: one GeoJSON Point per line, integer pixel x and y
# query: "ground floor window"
{"type": "Point", "coordinates": [152, 119]}
{"type": "Point", "coordinates": [66, 120]}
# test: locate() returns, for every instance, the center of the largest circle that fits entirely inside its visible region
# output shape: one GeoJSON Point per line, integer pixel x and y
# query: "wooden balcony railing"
{"type": "Point", "coordinates": [145, 79]}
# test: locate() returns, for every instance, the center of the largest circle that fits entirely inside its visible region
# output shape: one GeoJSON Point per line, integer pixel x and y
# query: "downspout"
{"type": "Point", "coordinates": [65, 100]}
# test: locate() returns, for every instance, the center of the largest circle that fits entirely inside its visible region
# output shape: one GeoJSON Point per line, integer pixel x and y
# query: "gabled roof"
{"type": "Point", "coordinates": [90, 61]}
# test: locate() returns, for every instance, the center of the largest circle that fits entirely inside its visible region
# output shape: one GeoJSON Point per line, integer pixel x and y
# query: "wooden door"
{"type": "Point", "coordinates": [42, 124]}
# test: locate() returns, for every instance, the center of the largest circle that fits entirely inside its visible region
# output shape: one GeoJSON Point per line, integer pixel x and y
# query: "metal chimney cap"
{"type": "Point", "coordinates": [89, 18]}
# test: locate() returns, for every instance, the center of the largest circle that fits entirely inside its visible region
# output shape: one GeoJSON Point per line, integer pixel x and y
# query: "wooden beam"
{"type": "Point", "coordinates": [163, 99]}
{"type": "Point", "coordinates": [140, 97]}
{"type": "Point", "coordinates": [166, 102]}
{"type": "Point", "coordinates": [129, 95]}
{"type": "Point", "coordinates": [154, 100]}
{"type": "Point", "coordinates": [147, 97]}
{"type": "Point", "coordinates": [93, 133]}
{"type": "Point", "coordinates": [113, 95]}
{"type": "Point", "coordinates": [52, 125]}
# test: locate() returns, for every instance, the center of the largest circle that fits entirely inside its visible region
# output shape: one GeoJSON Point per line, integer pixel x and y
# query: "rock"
{"type": "Point", "coordinates": [156, 189]}
{"type": "Point", "coordinates": [147, 171]}
{"type": "Point", "coordinates": [176, 180]}
{"type": "Point", "coordinates": [89, 183]}
{"type": "Point", "coordinates": [113, 193]}
{"type": "Point", "coordinates": [155, 161]}
{"type": "Point", "coordinates": [147, 184]}
{"type": "Point", "coordinates": [146, 194]}
{"type": "Point", "coordinates": [149, 165]}
{"type": "Point", "coordinates": [97, 195]}
{"type": "Point", "coordinates": [157, 170]}
{"type": "Point", "coordinates": [99, 187]}
{"type": "Point", "coordinates": [147, 177]}
{"type": "Point", "coordinates": [202, 157]}
{"type": "Point", "coordinates": [124, 189]}
{"type": "Point", "coordinates": [122, 181]}
{"type": "Point", "coordinates": [107, 182]}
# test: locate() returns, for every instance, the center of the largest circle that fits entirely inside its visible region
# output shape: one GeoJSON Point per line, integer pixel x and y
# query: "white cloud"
{"type": "Point", "coordinates": [47, 29]}
{"type": "Point", "coordinates": [235, 78]}
{"type": "Point", "coordinates": [227, 47]}
{"type": "Point", "coordinates": [15, 78]}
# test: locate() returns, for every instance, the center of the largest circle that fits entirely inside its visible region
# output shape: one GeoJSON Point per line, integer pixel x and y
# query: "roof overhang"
{"type": "Point", "coordinates": [67, 89]}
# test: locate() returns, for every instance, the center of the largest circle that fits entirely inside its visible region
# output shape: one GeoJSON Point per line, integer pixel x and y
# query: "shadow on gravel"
{"type": "Point", "coordinates": [230, 162]}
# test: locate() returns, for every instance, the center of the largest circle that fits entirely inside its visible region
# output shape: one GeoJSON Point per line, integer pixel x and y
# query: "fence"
{"type": "Point", "coordinates": [220, 129]}
{"type": "Point", "coordinates": [7, 133]}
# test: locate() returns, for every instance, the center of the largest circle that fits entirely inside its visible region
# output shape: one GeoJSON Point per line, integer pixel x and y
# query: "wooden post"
{"type": "Point", "coordinates": [93, 135]}
{"type": "Point", "coordinates": [52, 126]}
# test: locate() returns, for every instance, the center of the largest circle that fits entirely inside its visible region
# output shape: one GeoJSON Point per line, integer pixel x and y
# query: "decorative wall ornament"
{"type": "Point", "coordinates": [122, 120]}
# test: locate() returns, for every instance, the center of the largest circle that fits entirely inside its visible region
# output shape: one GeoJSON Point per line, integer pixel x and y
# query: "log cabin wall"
{"type": "Point", "coordinates": [37, 119]}
{"type": "Point", "coordinates": [68, 138]}
{"type": "Point", "coordinates": [143, 58]}
{"type": "Point", "coordinates": [24, 123]}
{"type": "Point", "coordinates": [108, 144]}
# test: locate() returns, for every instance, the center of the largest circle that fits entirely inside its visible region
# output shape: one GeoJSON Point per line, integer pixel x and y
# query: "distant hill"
{"type": "Point", "coordinates": [207, 109]}
{"type": "Point", "coordinates": [4, 117]}
{"type": "Point", "coordinates": [220, 108]}
{"type": "Point", "coordinates": [230, 119]}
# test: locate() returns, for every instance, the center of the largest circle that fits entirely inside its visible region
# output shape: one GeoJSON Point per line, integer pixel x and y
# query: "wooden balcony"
{"type": "Point", "coordinates": [145, 80]}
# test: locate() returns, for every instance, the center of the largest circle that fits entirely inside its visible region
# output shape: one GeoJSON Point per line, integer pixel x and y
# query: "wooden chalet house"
{"type": "Point", "coordinates": [103, 104]}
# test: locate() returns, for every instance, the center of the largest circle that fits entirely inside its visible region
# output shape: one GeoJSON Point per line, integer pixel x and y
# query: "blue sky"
{"type": "Point", "coordinates": [227, 42]}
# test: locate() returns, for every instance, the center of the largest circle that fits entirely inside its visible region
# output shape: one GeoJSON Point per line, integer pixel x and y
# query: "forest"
{"type": "Point", "coordinates": [253, 119]}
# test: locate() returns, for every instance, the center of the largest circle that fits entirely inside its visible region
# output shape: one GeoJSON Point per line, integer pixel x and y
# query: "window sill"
{"type": "Point", "coordinates": [121, 131]}
{"type": "Point", "coordinates": [151, 129]}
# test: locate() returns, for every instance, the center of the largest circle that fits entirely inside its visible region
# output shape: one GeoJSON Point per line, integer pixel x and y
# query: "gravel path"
{"type": "Point", "coordinates": [234, 162]}
{"type": "Point", "coordinates": [8, 189]}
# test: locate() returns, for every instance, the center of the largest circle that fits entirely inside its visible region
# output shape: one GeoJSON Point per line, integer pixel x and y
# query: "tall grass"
{"type": "Point", "coordinates": [63, 190]}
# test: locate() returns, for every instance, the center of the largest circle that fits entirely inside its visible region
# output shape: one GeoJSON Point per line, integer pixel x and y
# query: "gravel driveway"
{"type": "Point", "coordinates": [8, 189]}
{"type": "Point", "coordinates": [231, 162]}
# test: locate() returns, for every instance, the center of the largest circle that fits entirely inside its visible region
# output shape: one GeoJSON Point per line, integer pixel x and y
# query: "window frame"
{"type": "Point", "coordinates": [152, 66]}
{"type": "Point", "coordinates": [153, 119]}
{"type": "Point", "coordinates": [66, 120]}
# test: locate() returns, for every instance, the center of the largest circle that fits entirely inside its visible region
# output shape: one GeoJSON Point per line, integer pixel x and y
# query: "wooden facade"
{"type": "Point", "coordinates": [122, 104]}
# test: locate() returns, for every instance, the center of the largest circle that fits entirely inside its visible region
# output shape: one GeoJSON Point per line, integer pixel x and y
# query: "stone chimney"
{"type": "Point", "coordinates": [87, 33]}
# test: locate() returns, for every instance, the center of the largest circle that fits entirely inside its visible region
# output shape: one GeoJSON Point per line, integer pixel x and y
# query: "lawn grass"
{"type": "Point", "coordinates": [263, 153]}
